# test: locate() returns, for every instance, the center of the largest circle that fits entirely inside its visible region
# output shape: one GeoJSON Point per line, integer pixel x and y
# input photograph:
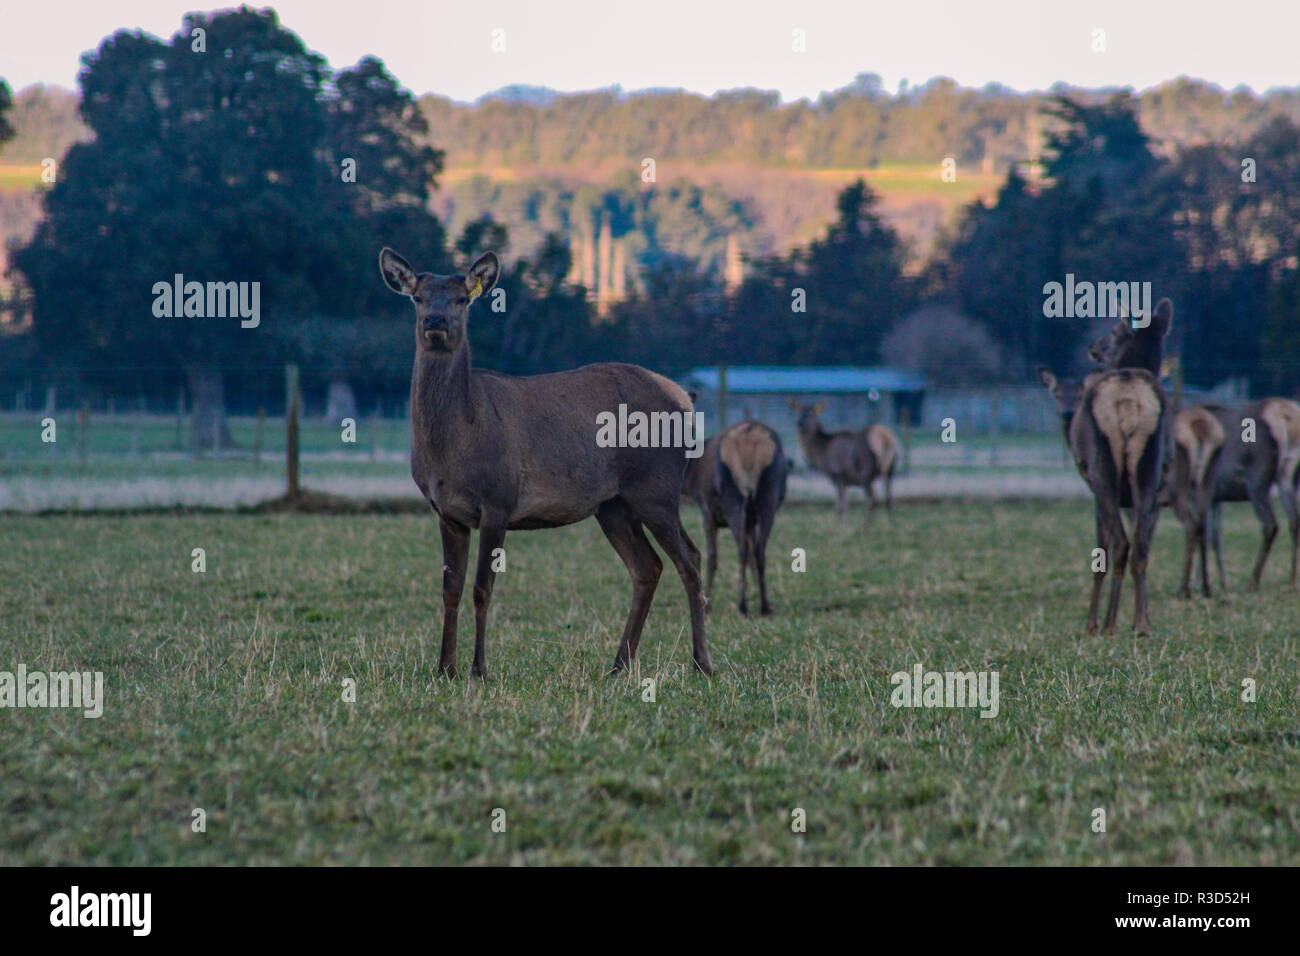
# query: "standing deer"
{"type": "Point", "coordinates": [500, 452]}
{"type": "Point", "coordinates": [848, 458]}
{"type": "Point", "coordinates": [739, 481]}
{"type": "Point", "coordinates": [1115, 423]}
{"type": "Point", "coordinates": [1213, 460]}
{"type": "Point", "coordinates": [1240, 454]}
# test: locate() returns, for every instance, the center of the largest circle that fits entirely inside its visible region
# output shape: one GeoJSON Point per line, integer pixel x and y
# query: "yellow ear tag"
{"type": "Point", "coordinates": [477, 291]}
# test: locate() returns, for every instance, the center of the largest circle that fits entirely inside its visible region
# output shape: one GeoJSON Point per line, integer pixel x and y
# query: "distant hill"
{"type": "Point", "coordinates": [738, 166]}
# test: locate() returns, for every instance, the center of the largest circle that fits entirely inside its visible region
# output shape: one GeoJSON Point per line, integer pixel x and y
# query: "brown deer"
{"type": "Point", "coordinates": [1213, 460]}
{"type": "Point", "coordinates": [1114, 424]}
{"type": "Point", "coordinates": [500, 452]}
{"type": "Point", "coordinates": [1234, 454]}
{"type": "Point", "coordinates": [739, 481]}
{"type": "Point", "coordinates": [848, 458]}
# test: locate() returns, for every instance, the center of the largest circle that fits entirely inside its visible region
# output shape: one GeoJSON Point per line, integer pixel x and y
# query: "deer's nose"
{"type": "Point", "coordinates": [435, 323]}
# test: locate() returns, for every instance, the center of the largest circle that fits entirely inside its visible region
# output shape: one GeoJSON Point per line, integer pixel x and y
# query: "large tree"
{"type": "Point", "coordinates": [220, 156]}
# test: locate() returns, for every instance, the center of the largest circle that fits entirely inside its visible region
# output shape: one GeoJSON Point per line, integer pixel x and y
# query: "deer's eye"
{"type": "Point", "coordinates": [462, 301]}
{"type": "Point", "coordinates": [417, 300]}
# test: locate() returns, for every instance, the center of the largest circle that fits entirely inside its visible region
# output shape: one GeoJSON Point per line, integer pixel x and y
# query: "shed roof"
{"type": "Point", "coordinates": [816, 379]}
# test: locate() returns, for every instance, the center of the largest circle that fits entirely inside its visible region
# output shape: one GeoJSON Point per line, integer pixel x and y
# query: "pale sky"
{"type": "Point", "coordinates": [707, 45]}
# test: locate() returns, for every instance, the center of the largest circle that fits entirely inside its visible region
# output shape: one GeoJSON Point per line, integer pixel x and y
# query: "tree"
{"type": "Point", "coordinates": [7, 130]}
{"type": "Point", "coordinates": [221, 163]}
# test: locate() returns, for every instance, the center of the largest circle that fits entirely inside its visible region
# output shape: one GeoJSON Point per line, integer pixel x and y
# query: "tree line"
{"type": "Point", "coordinates": [254, 161]}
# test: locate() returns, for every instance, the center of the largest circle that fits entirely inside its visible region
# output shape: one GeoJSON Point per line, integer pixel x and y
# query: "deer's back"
{"type": "Point", "coordinates": [532, 448]}
{"type": "Point", "coordinates": [849, 458]}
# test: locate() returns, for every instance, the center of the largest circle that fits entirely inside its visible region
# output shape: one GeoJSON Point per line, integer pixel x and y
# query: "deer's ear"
{"type": "Point", "coordinates": [1163, 317]}
{"type": "Point", "coordinates": [483, 275]}
{"type": "Point", "coordinates": [397, 272]}
{"type": "Point", "coordinates": [1169, 367]}
{"type": "Point", "coordinates": [1047, 378]}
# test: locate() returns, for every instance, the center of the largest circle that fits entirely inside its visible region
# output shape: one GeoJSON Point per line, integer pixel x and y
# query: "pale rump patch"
{"type": "Point", "coordinates": [884, 445]}
{"type": "Point", "coordinates": [1127, 411]}
{"type": "Point", "coordinates": [1283, 419]}
{"type": "Point", "coordinates": [747, 449]}
{"type": "Point", "coordinates": [1200, 435]}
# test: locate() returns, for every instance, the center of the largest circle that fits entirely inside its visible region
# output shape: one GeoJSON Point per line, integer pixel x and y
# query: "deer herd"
{"type": "Point", "coordinates": [1137, 451]}
{"type": "Point", "coordinates": [497, 453]}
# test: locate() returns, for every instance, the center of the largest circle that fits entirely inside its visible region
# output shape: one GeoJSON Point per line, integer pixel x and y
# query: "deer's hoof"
{"type": "Point", "coordinates": [480, 673]}
{"type": "Point", "coordinates": [1184, 593]}
{"type": "Point", "coordinates": [448, 671]}
{"type": "Point", "coordinates": [705, 666]}
{"type": "Point", "coordinates": [766, 610]}
{"type": "Point", "coordinates": [742, 610]}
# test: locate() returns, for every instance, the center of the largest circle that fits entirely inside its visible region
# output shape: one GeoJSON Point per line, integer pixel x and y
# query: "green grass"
{"type": "Point", "coordinates": [224, 692]}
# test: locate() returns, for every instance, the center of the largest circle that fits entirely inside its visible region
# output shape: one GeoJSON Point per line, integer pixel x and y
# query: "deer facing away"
{"type": "Point", "coordinates": [1115, 423]}
{"type": "Point", "coordinates": [739, 481]}
{"type": "Point", "coordinates": [1233, 454]}
{"type": "Point", "coordinates": [848, 458]}
{"type": "Point", "coordinates": [499, 452]}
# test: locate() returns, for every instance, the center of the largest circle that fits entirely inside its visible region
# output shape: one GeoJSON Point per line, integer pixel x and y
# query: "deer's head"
{"type": "Point", "coordinates": [441, 302]}
{"type": "Point", "coordinates": [1127, 347]}
{"type": "Point", "coordinates": [1066, 395]}
{"type": "Point", "coordinates": [807, 417]}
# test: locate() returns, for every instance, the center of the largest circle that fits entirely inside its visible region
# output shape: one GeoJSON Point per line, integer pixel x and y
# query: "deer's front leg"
{"type": "Point", "coordinates": [455, 556]}
{"type": "Point", "coordinates": [491, 537]}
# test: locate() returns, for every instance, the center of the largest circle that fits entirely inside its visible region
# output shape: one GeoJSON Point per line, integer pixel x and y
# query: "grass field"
{"type": "Point", "coordinates": [224, 692]}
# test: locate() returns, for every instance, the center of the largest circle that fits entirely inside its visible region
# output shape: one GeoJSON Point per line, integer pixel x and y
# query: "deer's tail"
{"type": "Point", "coordinates": [747, 450]}
{"type": "Point", "coordinates": [1282, 417]}
{"type": "Point", "coordinates": [884, 445]}
{"type": "Point", "coordinates": [1199, 435]}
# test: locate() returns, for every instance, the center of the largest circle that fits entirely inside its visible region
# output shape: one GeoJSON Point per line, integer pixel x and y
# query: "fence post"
{"type": "Point", "coordinates": [722, 399]}
{"type": "Point", "coordinates": [136, 425]}
{"type": "Point", "coordinates": [905, 422]}
{"type": "Point", "coordinates": [83, 420]}
{"type": "Point", "coordinates": [291, 402]}
{"type": "Point", "coordinates": [995, 405]}
{"type": "Point", "coordinates": [180, 418]}
{"type": "Point", "coordinates": [257, 436]}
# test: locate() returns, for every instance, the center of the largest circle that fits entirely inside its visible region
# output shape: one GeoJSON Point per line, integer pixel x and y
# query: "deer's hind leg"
{"type": "Point", "coordinates": [1268, 527]}
{"type": "Point", "coordinates": [665, 523]}
{"type": "Point", "coordinates": [711, 545]}
{"type": "Point", "coordinates": [734, 507]}
{"type": "Point", "coordinates": [643, 565]}
{"type": "Point", "coordinates": [1287, 495]}
{"type": "Point", "coordinates": [1214, 529]}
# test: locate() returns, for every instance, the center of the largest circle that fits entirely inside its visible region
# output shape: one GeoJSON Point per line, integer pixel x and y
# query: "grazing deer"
{"type": "Point", "coordinates": [848, 457]}
{"type": "Point", "coordinates": [500, 452]}
{"type": "Point", "coordinates": [1115, 423]}
{"type": "Point", "coordinates": [1242, 453]}
{"type": "Point", "coordinates": [739, 481]}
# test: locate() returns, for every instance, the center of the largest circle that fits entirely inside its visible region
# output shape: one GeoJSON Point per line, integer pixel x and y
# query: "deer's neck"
{"type": "Point", "coordinates": [814, 444]}
{"type": "Point", "coordinates": [441, 406]}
